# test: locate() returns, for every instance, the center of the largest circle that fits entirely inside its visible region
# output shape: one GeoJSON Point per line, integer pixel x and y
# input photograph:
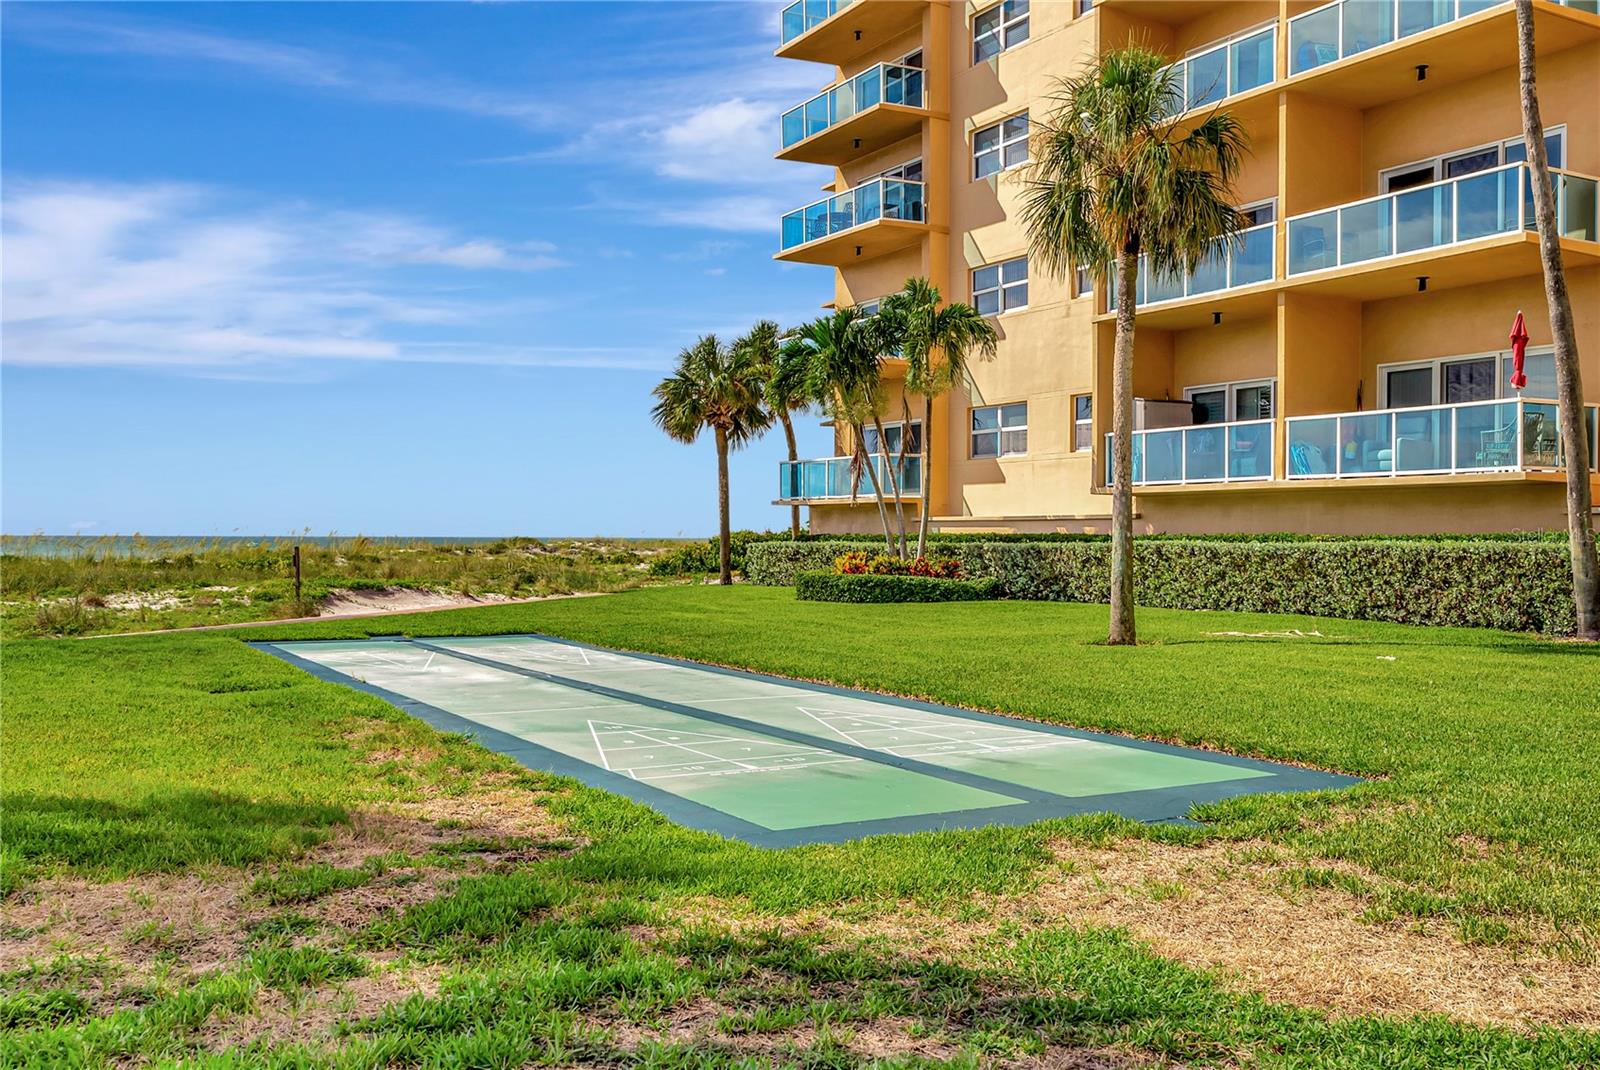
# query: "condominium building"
{"type": "Point", "coordinates": [1343, 367]}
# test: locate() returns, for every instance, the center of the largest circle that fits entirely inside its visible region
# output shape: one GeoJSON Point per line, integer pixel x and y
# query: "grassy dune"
{"type": "Point", "coordinates": [109, 585]}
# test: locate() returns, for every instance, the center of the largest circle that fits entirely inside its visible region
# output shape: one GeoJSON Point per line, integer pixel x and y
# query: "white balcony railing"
{"type": "Point", "coordinates": [1506, 435]}
{"type": "Point", "coordinates": [831, 478]}
{"type": "Point", "coordinates": [1456, 210]}
{"type": "Point", "coordinates": [1346, 28]}
{"type": "Point", "coordinates": [802, 15]}
{"type": "Point", "coordinates": [1245, 260]}
{"type": "Point", "coordinates": [1238, 452]}
{"type": "Point", "coordinates": [882, 198]}
{"type": "Point", "coordinates": [886, 83]}
{"type": "Point", "coordinates": [1226, 69]}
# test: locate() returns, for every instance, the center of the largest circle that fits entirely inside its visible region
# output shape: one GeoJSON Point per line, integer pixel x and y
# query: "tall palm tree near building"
{"type": "Point", "coordinates": [1113, 180]}
{"type": "Point", "coordinates": [1569, 380]}
{"type": "Point", "coordinates": [840, 355]}
{"type": "Point", "coordinates": [936, 340]}
{"type": "Point", "coordinates": [783, 388]}
{"type": "Point", "coordinates": [719, 387]}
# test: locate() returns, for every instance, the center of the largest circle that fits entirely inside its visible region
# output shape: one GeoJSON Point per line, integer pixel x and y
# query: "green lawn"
{"type": "Point", "coordinates": [196, 754]}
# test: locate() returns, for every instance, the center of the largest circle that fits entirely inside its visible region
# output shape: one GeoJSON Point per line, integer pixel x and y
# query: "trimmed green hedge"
{"type": "Point", "coordinates": [702, 557]}
{"type": "Point", "coordinates": [820, 586]}
{"type": "Point", "coordinates": [1517, 585]}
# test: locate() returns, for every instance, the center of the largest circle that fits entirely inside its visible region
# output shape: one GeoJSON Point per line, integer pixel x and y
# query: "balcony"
{"type": "Point", "coordinates": [830, 479]}
{"type": "Point", "coordinates": [1509, 435]}
{"type": "Point", "coordinates": [1453, 39]}
{"type": "Point", "coordinates": [1347, 28]}
{"type": "Point", "coordinates": [1243, 261]}
{"type": "Point", "coordinates": [1226, 70]}
{"type": "Point", "coordinates": [873, 110]}
{"type": "Point", "coordinates": [838, 31]}
{"type": "Point", "coordinates": [876, 217]}
{"type": "Point", "coordinates": [803, 16]}
{"type": "Point", "coordinates": [1405, 229]}
{"type": "Point", "coordinates": [1239, 452]}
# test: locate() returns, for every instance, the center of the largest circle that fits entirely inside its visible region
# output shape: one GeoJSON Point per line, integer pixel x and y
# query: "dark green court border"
{"type": "Point", "coordinates": [1147, 805]}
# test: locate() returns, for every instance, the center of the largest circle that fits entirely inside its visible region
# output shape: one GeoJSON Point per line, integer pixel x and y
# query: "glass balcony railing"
{"type": "Point", "coordinates": [1513, 434]}
{"type": "Point", "coordinates": [1424, 217]}
{"type": "Point", "coordinates": [887, 83]}
{"type": "Point", "coordinates": [830, 477]}
{"type": "Point", "coordinates": [1226, 70]}
{"type": "Point", "coordinates": [802, 15]}
{"type": "Point", "coordinates": [1349, 27]}
{"type": "Point", "coordinates": [1239, 452]}
{"type": "Point", "coordinates": [882, 198]}
{"type": "Point", "coordinates": [1245, 260]}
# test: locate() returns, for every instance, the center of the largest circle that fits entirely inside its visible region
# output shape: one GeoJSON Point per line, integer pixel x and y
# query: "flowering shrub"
{"type": "Point", "coordinates": [860, 563]}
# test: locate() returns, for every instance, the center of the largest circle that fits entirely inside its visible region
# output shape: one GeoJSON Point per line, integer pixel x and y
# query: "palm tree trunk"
{"type": "Point", "coordinates": [794, 455]}
{"type": "Point", "coordinates": [1569, 382]}
{"type": "Point", "coordinates": [877, 488]}
{"type": "Point", "coordinates": [724, 537]}
{"type": "Point", "coordinates": [1122, 630]}
{"type": "Point", "coordinates": [927, 496]}
{"type": "Point", "coordinates": [894, 480]}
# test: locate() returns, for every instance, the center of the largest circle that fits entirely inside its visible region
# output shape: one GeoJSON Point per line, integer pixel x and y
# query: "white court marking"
{"type": "Point", "coordinates": [912, 736]}
{"type": "Point", "coordinates": [646, 753]}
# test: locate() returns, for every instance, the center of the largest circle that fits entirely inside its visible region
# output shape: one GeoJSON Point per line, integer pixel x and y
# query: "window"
{"type": "Point", "coordinates": [1082, 422]}
{"type": "Point", "coordinates": [1001, 287]}
{"type": "Point", "coordinates": [1555, 146]}
{"type": "Point", "coordinates": [870, 308]}
{"type": "Point", "coordinates": [910, 171]}
{"type": "Point", "coordinates": [1452, 380]}
{"type": "Point", "coordinates": [1257, 214]}
{"type": "Point", "coordinates": [1082, 281]}
{"type": "Point", "coordinates": [1000, 147]}
{"type": "Point", "coordinates": [1084, 7]}
{"type": "Point", "coordinates": [893, 434]}
{"type": "Point", "coordinates": [1000, 430]}
{"type": "Point", "coordinates": [1220, 403]}
{"type": "Point", "coordinates": [1001, 27]}
{"type": "Point", "coordinates": [1482, 158]}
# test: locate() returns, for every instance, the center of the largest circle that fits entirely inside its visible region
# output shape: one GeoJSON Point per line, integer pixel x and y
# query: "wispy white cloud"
{"type": "Point", "coordinates": [714, 121]}
{"type": "Point", "coordinates": [182, 277]}
{"type": "Point", "coordinates": [100, 32]}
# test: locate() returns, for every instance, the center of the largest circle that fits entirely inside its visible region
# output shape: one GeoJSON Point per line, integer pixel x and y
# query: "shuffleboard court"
{"type": "Point", "coordinates": [774, 761]}
{"type": "Point", "coordinates": [1017, 753]}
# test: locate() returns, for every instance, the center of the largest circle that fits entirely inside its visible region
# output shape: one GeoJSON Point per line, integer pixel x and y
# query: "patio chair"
{"type": "Point", "coordinates": [1494, 446]}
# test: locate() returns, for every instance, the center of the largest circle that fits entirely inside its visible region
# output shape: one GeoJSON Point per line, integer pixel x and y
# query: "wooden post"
{"type": "Point", "coordinates": [297, 572]}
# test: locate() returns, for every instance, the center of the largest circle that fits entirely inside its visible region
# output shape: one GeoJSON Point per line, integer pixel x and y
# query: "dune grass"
{"type": "Point", "coordinates": [67, 587]}
{"type": "Point", "coordinates": [177, 754]}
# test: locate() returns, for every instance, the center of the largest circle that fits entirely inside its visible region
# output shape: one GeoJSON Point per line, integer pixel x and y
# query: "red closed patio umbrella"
{"type": "Point", "coordinates": [1519, 351]}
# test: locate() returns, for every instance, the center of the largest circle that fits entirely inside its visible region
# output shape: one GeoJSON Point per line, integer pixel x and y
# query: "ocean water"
{"type": "Point", "coordinates": [162, 545]}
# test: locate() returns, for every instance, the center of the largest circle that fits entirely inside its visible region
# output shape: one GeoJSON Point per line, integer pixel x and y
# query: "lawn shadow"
{"type": "Point", "coordinates": [163, 832]}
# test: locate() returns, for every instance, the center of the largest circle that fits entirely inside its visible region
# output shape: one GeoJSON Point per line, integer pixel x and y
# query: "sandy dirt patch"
{"type": "Point", "coordinates": [1227, 907]}
{"type": "Point", "coordinates": [177, 926]}
{"type": "Point", "coordinates": [696, 1022]}
{"type": "Point", "coordinates": [342, 603]}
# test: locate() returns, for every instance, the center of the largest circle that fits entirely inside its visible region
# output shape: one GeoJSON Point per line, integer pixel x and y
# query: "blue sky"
{"type": "Point", "coordinates": [384, 268]}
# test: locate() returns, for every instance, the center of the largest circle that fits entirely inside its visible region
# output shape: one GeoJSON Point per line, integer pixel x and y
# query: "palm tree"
{"type": "Point", "coordinates": [783, 387]}
{"type": "Point", "coordinates": [1113, 180]}
{"type": "Point", "coordinates": [1569, 380]}
{"type": "Point", "coordinates": [840, 355]}
{"type": "Point", "coordinates": [925, 332]}
{"type": "Point", "coordinates": [720, 388]}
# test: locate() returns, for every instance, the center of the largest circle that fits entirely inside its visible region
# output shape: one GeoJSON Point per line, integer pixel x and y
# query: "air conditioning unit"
{"type": "Point", "coordinates": [1149, 413]}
